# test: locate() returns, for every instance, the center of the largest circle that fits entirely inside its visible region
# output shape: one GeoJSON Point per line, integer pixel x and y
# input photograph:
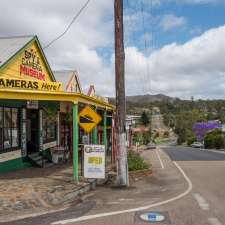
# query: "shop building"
{"type": "Point", "coordinates": [31, 104]}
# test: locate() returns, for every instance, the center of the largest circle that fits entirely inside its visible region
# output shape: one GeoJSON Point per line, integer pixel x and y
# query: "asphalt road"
{"type": "Point", "coordinates": [203, 205]}
{"type": "Point", "coordinates": [192, 154]}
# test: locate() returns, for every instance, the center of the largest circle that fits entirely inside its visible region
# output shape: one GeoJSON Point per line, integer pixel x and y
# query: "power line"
{"type": "Point", "coordinates": [147, 75]}
{"type": "Point", "coordinates": [68, 27]}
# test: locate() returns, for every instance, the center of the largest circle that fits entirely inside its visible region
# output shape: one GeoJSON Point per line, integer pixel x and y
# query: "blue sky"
{"type": "Point", "coordinates": [197, 18]}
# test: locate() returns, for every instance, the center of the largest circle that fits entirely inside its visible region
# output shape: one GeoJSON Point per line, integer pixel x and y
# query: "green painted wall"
{"type": "Point", "coordinates": [13, 165]}
{"type": "Point", "coordinates": [49, 104]}
{"type": "Point", "coordinates": [12, 103]}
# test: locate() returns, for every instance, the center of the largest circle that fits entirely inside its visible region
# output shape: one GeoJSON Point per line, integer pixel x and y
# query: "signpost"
{"type": "Point", "coordinates": [88, 119]}
{"type": "Point", "coordinates": [94, 161]}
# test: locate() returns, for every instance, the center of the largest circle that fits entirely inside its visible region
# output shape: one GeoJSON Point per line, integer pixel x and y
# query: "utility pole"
{"type": "Point", "coordinates": [120, 120]}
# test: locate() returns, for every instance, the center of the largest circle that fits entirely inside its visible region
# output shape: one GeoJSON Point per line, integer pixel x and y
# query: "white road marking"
{"type": "Point", "coordinates": [201, 201]}
{"type": "Point", "coordinates": [113, 203]}
{"type": "Point", "coordinates": [126, 199]}
{"type": "Point", "coordinates": [100, 215]}
{"type": "Point", "coordinates": [160, 160]}
{"type": "Point", "coordinates": [214, 221]}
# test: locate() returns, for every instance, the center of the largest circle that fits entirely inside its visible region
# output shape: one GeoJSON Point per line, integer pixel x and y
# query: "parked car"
{"type": "Point", "coordinates": [151, 146]}
{"type": "Point", "coordinates": [197, 145]}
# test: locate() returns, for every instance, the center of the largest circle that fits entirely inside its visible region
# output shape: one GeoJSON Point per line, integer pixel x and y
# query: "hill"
{"type": "Point", "coordinates": [146, 98]}
{"type": "Point", "coordinates": [149, 98]}
{"type": "Point", "coordinates": [136, 104]}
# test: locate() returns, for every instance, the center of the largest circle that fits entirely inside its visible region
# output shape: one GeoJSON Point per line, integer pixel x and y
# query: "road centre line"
{"type": "Point", "coordinates": [160, 160]}
{"type": "Point", "coordinates": [201, 201]}
{"type": "Point", "coordinates": [214, 221]}
{"type": "Point", "coordinates": [100, 215]}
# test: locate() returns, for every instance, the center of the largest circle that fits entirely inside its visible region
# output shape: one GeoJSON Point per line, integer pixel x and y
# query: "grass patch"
{"type": "Point", "coordinates": [136, 162]}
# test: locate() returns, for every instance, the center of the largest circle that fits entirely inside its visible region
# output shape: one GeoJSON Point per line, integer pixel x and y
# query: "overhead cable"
{"type": "Point", "coordinates": [68, 27]}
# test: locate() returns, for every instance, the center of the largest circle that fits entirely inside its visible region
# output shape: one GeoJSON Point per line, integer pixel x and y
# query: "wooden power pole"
{"type": "Point", "coordinates": [120, 120]}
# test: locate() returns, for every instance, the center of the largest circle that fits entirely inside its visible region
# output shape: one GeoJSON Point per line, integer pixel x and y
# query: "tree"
{"type": "Point", "coordinates": [214, 139]}
{"type": "Point", "coordinates": [145, 118]}
{"type": "Point", "coordinates": [138, 138]}
{"type": "Point", "coordinates": [201, 128]}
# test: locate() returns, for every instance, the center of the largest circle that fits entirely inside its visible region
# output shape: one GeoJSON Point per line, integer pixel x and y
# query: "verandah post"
{"type": "Point", "coordinates": [75, 142]}
{"type": "Point", "coordinates": [105, 129]}
{"type": "Point", "coordinates": [95, 133]}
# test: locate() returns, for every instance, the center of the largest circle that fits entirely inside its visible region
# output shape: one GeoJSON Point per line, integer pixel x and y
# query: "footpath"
{"type": "Point", "coordinates": [38, 191]}
{"type": "Point", "coordinates": [123, 206]}
{"type": "Point", "coordinates": [165, 182]}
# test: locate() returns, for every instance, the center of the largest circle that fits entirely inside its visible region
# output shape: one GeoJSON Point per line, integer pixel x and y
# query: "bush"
{"type": "Point", "coordinates": [166, 134]}
{"type": "Point", "coordinates": [136, 162]}
{"type": "Point", "coordinates": [180, 140]}
{"type": "Point", "coordinates": [214, 139]}
{"type": "Point", "coordinates": [209, 141]}
{"type": "Point", "coordinates": [146, 137]}
{"type": "Point", "coordinates": [191, 140]}
{"type": "Point", "coordinates": [219, 141]}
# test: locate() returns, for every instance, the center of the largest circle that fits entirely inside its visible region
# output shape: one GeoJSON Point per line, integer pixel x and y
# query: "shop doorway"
{"type": "Point", "coordinates": [65, 132]}
{"type": "Point", "coordinates": [32, 131]}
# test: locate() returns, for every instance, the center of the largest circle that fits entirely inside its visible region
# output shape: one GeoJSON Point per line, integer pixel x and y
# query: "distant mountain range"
{"type": "Point", "coordinates": [149, 98]}
{"type": "Point", "coordinates": [146, 98]}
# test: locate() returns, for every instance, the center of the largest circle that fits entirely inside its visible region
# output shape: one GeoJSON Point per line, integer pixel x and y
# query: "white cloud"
{"type": "Point", "coordinates": [192, 2]}
{"type": "Point", "coordinates": [203, 1]}
{"type": "Point", "coordinates": [195, 68]}
{"type": "Point", "coordinates": [171, 21]}
{"type": "Point", "coordinates": [75, 50]}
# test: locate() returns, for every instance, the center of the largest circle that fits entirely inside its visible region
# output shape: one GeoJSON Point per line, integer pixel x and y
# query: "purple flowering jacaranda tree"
{"type": "Point", "coordinates": [201, 128]}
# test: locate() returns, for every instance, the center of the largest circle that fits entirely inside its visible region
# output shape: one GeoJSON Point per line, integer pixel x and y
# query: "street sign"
{"type": "Point", "coordinates": [94, 161]}
{"type": "Point", "coordinates": [152, 217]}
{"type": "Point", "coordinates": [88, 119]}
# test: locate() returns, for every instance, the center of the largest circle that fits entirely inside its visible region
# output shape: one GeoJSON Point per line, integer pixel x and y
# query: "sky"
{"type": "Point", "coordinates": [172, 47]}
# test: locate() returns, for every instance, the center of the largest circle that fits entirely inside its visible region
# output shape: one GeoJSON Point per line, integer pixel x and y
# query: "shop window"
{"type": "Point", "coordinates": [9, 129]}
{"type": "Point", "coordinates": [65, 133]}
{"type": "Point", "coordinates": [1, 128]}
{"type": "Point", "coordinates": [49, 128]}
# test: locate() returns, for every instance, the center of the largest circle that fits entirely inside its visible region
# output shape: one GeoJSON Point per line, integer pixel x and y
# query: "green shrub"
{"type": "Point", "coordinates": [146, 137]}
{"type": "Point", "coordinates": [214, 139]}
{"type": "Point", "coordinates": [136, 162]}
{"type": "Point", "coordinates": [219, 141]}
{"type": "Point", "coordinates": [216, 132]}
{"type": "Point", "coordinates": [209, 141]}
{"type": "Point", "coordinates": [180, 140]}
{"type": "Point", "coordinates": [191, 140]}
{"type": "Point", "coordinates": [166, 134]}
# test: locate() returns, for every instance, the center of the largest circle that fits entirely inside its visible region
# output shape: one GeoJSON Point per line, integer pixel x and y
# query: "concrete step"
{"type": "Point", "coordinates": [39, 160]}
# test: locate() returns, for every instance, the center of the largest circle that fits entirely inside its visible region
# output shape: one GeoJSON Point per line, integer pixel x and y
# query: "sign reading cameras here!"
{"type": "Point", "coordinates": [94, 161]}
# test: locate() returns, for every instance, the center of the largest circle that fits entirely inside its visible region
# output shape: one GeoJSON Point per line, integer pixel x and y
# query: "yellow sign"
{"type": "Point", "coordinates": [30, 85]}
{"type": "Point", "coordinates": [28, 64]}
{"type": "Point", "coordinates": [88, 119]}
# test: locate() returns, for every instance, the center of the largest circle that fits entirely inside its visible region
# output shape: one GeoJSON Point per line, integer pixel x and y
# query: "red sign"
{"type": "Point", "coordinates": [31, 66]}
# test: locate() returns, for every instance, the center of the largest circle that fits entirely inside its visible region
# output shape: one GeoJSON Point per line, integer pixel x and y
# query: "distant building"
{"type": "Point", "coordinates": [131, 121]}
{"type": "Point", "coordinates": [69, 80]}
{"type": "Point", "coordinates": [91, 92]}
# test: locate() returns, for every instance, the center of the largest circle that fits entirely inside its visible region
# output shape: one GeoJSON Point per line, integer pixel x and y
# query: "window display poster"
{"type": "Point", "coordinates": [94, 161]}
